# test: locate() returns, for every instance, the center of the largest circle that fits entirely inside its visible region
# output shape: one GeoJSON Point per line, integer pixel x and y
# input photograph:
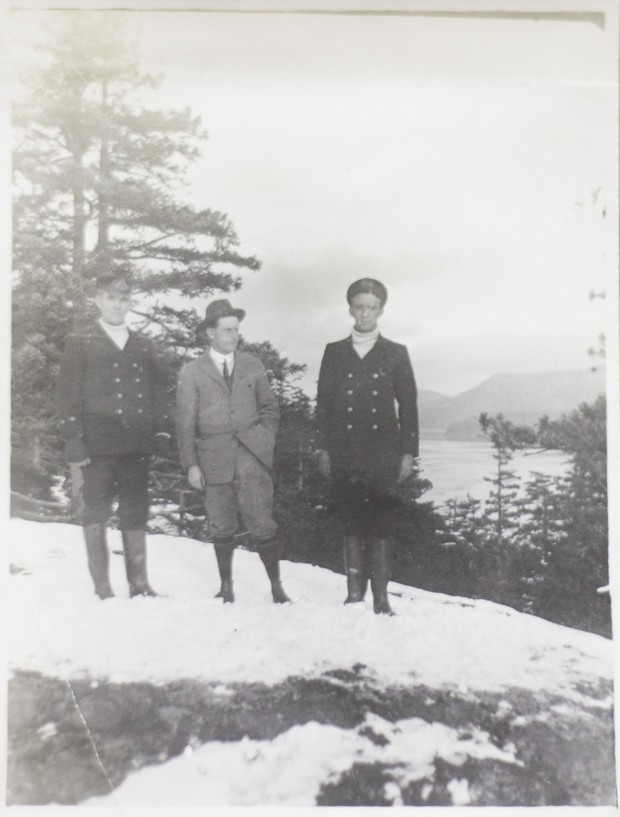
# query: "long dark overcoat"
{"type": "Point", "coordinates": [212, 419]}
{"type": "Point", "coordinates": [113, 400]}
{"type": "Point", "coordinates": [367, 415]}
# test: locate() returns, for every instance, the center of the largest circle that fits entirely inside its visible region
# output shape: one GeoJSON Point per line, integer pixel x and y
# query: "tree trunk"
{"type": "Point", "coordinates": [103, 202]}
{"type": "Point", "coordinates": [79, 242]}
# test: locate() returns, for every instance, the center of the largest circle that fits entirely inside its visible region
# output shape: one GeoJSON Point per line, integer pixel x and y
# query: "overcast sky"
{"type": "Point", "coordinates": [466, 163]}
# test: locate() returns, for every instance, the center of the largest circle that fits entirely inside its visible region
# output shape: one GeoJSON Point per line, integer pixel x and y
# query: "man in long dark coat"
{"type": "Point", "coordinates": [112, 405]}
{"type": "Point", "coordinates": [368, 438]}
{"type": "Point", "coordinates": [227, 419]}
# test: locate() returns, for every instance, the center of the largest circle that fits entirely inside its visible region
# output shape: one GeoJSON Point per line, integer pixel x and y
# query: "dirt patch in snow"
{"type": "Point", "coordinates": [69, 742]}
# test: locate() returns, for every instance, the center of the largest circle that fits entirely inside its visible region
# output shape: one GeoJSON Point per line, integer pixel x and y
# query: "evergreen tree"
{"type": "Point", "coordinates": [501, 507]}
{"type": "Point", "coordinates": [100, 183]}
{"type": "Point", "coordinates": [578, 560]}
{"type": "Point", "coordinates": [542, 530]}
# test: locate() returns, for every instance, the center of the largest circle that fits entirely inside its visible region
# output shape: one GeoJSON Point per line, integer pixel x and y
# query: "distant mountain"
{"type": "Point", "coordinates": [522, 398]}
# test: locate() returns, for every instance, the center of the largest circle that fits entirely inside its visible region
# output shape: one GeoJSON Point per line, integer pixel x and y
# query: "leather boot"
{"type": "Point", "coordinates": [271, 559]}
{"type": "Point", "coordinates": [134, 551]}
{"type": "Point", "coordinates": [380, 574]}
{"type": "Point", "coordinates": [224, 555]}
{"type": "Point", "coordinates": [98, 559]}
{"type": "Point", "coordinates": [354, 569]}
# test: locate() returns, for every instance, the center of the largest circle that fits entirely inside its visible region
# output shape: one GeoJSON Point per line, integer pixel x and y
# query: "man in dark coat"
{"type": "Point", "coordinates": [227, 419]}
{"type": "Point", "coordinates": [111, 400]}
{"type": "Point", "coordinates": [368, 438]}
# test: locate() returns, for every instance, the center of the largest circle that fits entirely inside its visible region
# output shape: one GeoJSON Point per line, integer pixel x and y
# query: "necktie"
{"type": "Point", "coordinates": [226, 373]}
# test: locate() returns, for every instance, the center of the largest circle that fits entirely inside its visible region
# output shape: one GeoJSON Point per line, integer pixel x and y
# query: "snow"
{"type": "Point", "coordinates": [290, 769]}
{"type": "Point", "coordinates": [61, 629]}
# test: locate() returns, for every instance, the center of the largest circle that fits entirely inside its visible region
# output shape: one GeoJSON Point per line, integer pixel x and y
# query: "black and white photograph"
{"type": "Point", "coordinates": [313, 404]}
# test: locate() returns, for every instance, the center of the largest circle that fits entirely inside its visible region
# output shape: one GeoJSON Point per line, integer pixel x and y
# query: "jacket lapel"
{"type": "Point", "coordinates": [377, 350]}
{"type": "Point", "coordinates": [101, 333]}
{"type": "Point", "coordinates": [210, 369]}
{"type": "Point", "coordinates": [241, 365]}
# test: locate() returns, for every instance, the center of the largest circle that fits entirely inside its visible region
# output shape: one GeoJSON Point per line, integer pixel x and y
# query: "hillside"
{"type": "Point", "coordinates": [523, 398]}
{"type": "Point", "coordinates": [182, 701]}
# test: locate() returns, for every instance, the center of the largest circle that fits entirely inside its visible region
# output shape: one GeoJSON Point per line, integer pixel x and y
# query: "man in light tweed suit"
{"type": "Point", "coordinates": [227, 419]}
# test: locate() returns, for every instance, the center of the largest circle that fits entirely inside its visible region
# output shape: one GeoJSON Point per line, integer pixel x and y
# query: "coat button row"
{"type": "Point", "coordinates": [374, 374]}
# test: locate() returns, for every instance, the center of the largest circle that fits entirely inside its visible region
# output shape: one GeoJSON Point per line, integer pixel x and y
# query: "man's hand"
{"type": "Point", "coordinates": [324, 463]}
{"type": "Point", "coordinates": [407, 464]}
{"type": "Point", "coordinates": [195, 478]}
{"type": "Point", "coordinates": [77, 453]}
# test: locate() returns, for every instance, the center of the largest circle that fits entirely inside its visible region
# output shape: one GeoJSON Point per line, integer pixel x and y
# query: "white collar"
{"type": "Point", "coordinates": [112, 329]}
{"type": "Point", "coordinates": [219, 357]}
{"type": "Point", "coordinates": [364, 338]}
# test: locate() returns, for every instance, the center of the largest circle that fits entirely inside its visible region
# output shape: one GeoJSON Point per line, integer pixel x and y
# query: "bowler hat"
{"type": "Point", "coordinates": [220, 309]}
{"type": "Point", "coordinates": [113, 282]}
{"type": "Point", "coordinates": [370, 285]}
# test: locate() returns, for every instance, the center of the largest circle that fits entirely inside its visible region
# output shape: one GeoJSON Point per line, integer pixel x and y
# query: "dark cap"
{"type": "Point", "coordinates": [113, 282]}
{"type": "Point", "coordinates": [369, 285]}
{"type": "Point", "coordinates": [220, 309]}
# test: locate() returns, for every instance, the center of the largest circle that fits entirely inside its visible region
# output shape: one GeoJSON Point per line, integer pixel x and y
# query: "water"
{"type": "Point", "coordinates": [458, 468]}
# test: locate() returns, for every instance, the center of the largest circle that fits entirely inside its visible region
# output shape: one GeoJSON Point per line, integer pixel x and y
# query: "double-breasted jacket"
{"type": "Point", "coordinates": [112, 400]}
{"type": "Point", "coordinates": [367, 415]}
{"type": "Point", "coordinates": [213, 417]}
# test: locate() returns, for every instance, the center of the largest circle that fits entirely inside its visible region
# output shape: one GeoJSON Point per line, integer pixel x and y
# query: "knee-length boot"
{"type": "Point", "coordinates": [134, 551]}
{"type": "Point", "coordinates": [270, 557]}
{"type": "Point", "coordinates": [224, 555]}
{"type": "Point", "coordinates": [355, 570]}
{"type": "Point", "coordinates": [380, 574]}
{"type": "Point", "coordinates": [98, 558]}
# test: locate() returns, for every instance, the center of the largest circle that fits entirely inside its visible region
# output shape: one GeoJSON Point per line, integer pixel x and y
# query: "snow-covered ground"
{"type": "Point", "coordinates": [60, 628]}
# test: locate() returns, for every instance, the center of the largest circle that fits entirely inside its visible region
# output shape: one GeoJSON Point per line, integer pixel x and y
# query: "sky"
{"type": "Point", "coordinates": [470, 165]}
{"type": "Point", "coordinates": [60, 629]}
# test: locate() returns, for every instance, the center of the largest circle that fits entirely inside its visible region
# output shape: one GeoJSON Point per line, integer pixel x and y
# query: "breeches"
{"type": "Point", "coordinates": [125, 476]}
{"type": "Point", "coordinates": [249, 496]}
{"type": "Point", "coordinates": [365, 504]}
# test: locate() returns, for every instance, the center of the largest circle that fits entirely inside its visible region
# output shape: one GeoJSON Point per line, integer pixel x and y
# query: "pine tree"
{"type": "Point", "coordinates": [542, 530]}
{"type": "Point", "coordinates": [578, 562]}
{"type": "Point", "coordinates": [502, 511]}
{"type": "Point", "coordinates": [100, 183]}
